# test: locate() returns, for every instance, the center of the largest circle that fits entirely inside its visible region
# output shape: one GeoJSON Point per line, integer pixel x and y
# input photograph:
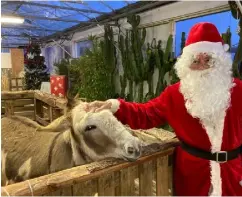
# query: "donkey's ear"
{"type": "Point", "coordinates": [58, 125]}
{"type": "Point", "coordinates": [71, 102]}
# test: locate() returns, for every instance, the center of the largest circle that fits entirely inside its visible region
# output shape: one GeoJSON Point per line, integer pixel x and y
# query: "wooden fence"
{"type": "Point", "coordinates": [149, 175]}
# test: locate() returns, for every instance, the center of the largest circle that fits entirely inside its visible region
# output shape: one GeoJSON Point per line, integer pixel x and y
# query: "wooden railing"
{"type": "Point", "coordinates": [150, 175]}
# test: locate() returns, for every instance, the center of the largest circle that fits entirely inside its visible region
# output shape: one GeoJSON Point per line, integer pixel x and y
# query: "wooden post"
{"type": "Point", "coordinates": [9, 107]}
{"type": "Point", "coordinates": [38, 108]}
{"type": "Point", "coordinates": [145, 179]}
{"type": "Point", "coordinates": [162, 177]}
{"type": "Point", "coordinates": [50, 113]}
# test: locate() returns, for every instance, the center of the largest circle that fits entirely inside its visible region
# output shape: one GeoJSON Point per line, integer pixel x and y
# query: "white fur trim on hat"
{"type": "Point", "coordinates": [115, 105]}
{"type": "Point", "coordinates": [205, 46]}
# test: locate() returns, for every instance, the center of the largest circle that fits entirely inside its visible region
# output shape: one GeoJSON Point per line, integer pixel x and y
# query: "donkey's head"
{"type": "Point", "coordinates": [99, 135]}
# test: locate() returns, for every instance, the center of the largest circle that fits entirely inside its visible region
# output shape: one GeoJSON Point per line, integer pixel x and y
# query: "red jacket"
{"type": "Point", "coordinates": [192, 174]}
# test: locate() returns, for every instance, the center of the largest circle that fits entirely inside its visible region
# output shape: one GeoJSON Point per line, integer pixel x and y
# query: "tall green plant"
{"type": "Point", "coordinates": [163, 63]}
{"type": "Point", "coordinates": [227, 37]}
{"type": "Point", "coordinates": [61, 68]}
{"type": "Point", "coordinates": [137, 38]}
{"type": "Point", "coordinates": [109, 52]}
{"type": "Point", "coordinates": [238, 55]}
{"type": "Point", "coordinates": [183, 40]}
{"type": "Point", "coordinates": [92, 74]}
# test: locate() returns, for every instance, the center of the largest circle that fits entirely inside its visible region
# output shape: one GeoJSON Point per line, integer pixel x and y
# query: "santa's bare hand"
{"type": "Point", "coordinates": [97, 106]}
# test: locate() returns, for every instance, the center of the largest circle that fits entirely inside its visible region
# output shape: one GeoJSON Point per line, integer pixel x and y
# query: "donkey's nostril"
{"type": "Point", "coordinates": [131, 150]}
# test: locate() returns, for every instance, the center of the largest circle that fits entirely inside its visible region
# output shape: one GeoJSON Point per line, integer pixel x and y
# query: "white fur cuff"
{"type": "Point", "coordinates": [115, 105]}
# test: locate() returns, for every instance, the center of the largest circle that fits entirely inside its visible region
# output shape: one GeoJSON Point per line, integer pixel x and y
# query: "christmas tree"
{"type": "Point", "coordinates": [35, 69]}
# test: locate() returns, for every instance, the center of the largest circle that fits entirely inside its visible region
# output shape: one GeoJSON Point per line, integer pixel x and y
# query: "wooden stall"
{"type": "Point", "coordinates": [36, 105]}
{"type": "Point", "coordinates": [151, 175]}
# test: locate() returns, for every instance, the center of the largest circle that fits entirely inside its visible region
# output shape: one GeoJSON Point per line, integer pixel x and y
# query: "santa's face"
{"type": "Point", "coordinates": [205, 82]}
{"type": "Point", "coordinates": [201, 62]}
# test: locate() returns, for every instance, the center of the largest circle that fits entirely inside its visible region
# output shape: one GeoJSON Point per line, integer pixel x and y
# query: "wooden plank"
{"type": "Point", "coordinates": [162, 176]}
{"type": "Point", "coordinates": [145, 179]}
{"type": "Point", "coordinates": [170, 177]}
{"type": "Point", "coordinates": [26, 108]}
{"type": "Point", "coordinates": [79, 189]}
{"type": "Point", "coordinates": [50, 113]}
{"type": "Point", "coordinates": [68, 177]}
{"type": "Point", "coordinates": [127, 181]}
{"type": "Point", "coordinates": [106, 186]}
{"type": "Point", "coordinates": [132, 175]}
{"type": "Point", "coordinates": [66, 191]}
{"type": "Point", "coordinates": [38, 108]}
{"type": "Point", "coordinates": [50, 99]}
{"type": "Point", "coordinates": [124, 187]}
{"type": "Point", "coordinates": [25, 113]}
{"type": "Point", "coordinates": [87, 188]}
{"type": "Point", "coordinates": [42, 121]}
{"type": "Point", "coordinates": [17, 95]}
{"type": "Point", "coordinates": [54, 193]}
{"type": "Point", "coordinates": [21, 102]}
{"type": "Point", "coordinates": [117, 183]}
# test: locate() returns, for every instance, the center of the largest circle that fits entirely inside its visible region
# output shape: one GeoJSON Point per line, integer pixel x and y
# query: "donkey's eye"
{"type": "Point", "coordinates": [90, 127]}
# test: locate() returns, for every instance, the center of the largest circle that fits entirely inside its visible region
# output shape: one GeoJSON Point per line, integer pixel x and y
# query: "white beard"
{"type": "Point", "coordinates": [207, 97]}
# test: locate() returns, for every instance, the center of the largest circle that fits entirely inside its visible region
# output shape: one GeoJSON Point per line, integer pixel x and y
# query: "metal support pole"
{"type": "Point", "coordinates": [239, 5]}
{"type": "Point", "coordinates": [62, 48]}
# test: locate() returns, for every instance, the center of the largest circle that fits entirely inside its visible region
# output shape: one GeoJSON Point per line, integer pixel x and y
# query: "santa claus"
{"type": "Point", "coordinates": [205, 111]}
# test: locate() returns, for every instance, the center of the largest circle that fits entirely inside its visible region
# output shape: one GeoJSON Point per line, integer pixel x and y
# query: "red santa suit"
{"type": "Point", "coordinates": [193, 175]}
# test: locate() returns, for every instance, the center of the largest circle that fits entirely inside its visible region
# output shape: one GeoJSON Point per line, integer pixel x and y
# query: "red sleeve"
{"type": "Point", "coordinates": [144, 115]}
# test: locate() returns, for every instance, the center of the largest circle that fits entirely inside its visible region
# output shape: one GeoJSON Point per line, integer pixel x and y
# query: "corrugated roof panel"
{"type": "Point", "coordinates": [35, 14]}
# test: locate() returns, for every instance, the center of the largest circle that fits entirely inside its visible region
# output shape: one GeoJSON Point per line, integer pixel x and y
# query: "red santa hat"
{"type": "Point", "coordinates": [204, 37]}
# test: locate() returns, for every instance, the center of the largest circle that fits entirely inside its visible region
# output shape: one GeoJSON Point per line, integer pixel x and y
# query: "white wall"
{"type": "Point", "coordinates": [6, 61]}
{"type": "Point", "coordinates": [159, 24]}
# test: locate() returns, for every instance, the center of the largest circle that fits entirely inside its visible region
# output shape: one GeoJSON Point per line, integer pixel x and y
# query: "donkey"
{"type": "Point", "coordinates": [30, 150]}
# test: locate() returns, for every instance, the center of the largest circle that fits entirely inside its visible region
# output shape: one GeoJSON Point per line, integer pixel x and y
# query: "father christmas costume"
{"type": "Point", "coordinates": [205, 111]}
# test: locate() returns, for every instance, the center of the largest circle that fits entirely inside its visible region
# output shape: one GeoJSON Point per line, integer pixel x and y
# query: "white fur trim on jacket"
{"type": "Point", "coordinates": [115, 105]}
{"type": "Point", "coordinates": [206, 47]}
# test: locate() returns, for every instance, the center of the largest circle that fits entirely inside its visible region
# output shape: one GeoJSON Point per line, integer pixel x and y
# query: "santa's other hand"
{"type": "Point", "coordinates": [97, 106]}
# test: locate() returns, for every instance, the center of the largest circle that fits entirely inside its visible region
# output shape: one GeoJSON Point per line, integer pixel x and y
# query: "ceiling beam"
{"type": "Point", "coordinates": [14, 43]}
{"type": "Point", "coordinates": [58, 7]}
{"type": "Point", "coordinates": [105, 4]}
{"type": "Point", "coordinates": [45, 18]}
{"type": "Point", "coordinates": [27, 27]}
{"type": "Point", "coordinates": [25, 36]}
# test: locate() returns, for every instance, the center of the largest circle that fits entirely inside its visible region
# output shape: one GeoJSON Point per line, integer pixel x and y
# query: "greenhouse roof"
{"type": "Point", "coordinates": [47, 20]}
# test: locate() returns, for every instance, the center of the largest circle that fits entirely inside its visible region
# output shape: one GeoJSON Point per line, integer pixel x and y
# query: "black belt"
{"type": "Point", "coordinates": [220, 157]}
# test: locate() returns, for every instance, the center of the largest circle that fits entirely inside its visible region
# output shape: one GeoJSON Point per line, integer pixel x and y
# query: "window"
{"type": "Point", "coordinates": [5, 50]}
{"type": "Point", "coordinates": [68, 49]}
{"type": "Point", "coordinates": [82, 46]}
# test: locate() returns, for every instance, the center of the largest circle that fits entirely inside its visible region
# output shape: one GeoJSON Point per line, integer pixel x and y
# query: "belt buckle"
{"type": "Point", "coordinates": [222, 152]}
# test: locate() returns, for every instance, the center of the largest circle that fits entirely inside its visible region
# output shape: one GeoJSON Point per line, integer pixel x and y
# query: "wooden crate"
{"type": "Point", "coordinates": [148, 176]}
{"type": "Point", "coordinates": [18, 103]}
